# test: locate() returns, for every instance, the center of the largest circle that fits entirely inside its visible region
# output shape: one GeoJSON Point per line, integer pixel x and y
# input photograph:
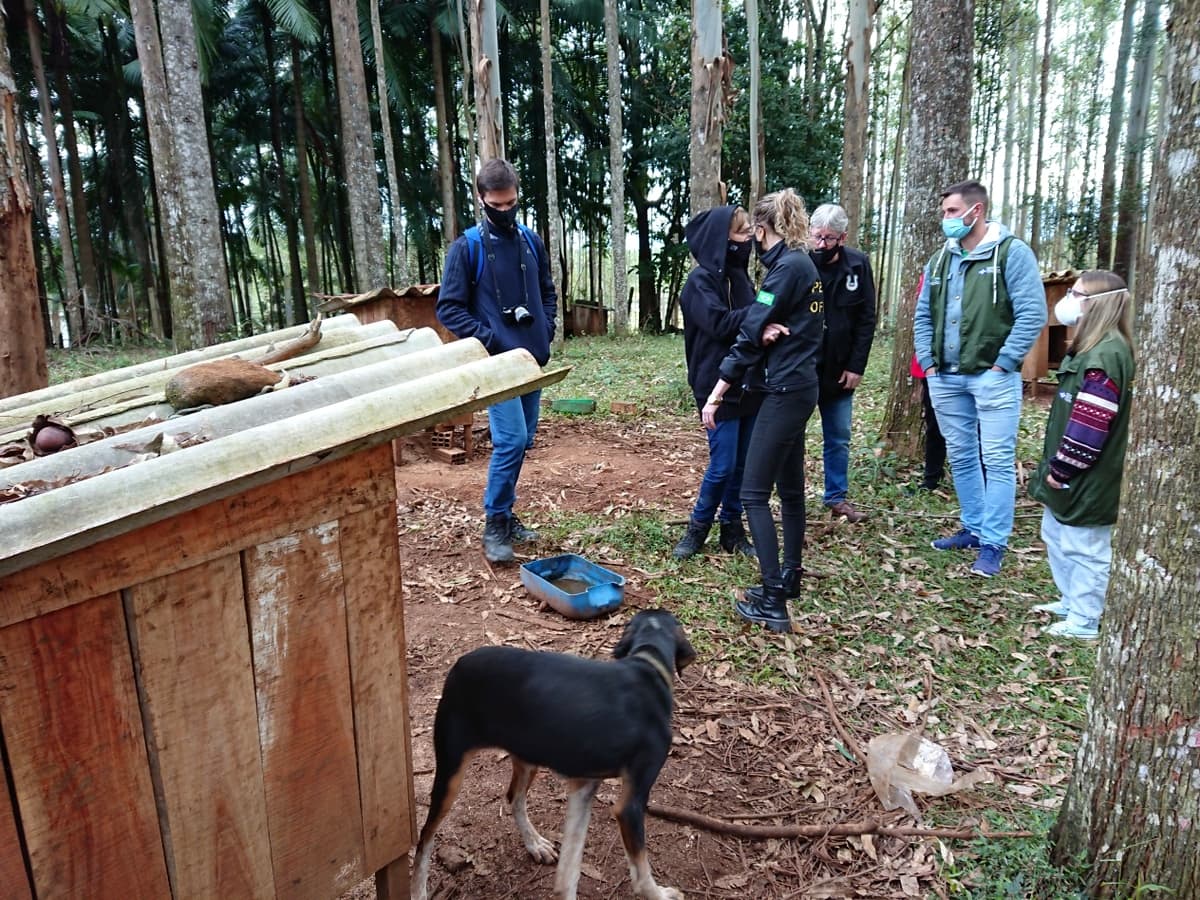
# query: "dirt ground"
{"type": "Point", "coordinates": [740, 753]}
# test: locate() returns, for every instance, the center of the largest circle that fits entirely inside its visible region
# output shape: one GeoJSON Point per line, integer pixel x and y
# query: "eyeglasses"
{"type": "Point", "coordinates": [821, 239]}
{"type": "Point", "coordinates": [1078, 295]}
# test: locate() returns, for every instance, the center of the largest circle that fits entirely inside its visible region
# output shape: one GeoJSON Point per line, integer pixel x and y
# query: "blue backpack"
{"type": "Point", "coordinates": [475, 247]}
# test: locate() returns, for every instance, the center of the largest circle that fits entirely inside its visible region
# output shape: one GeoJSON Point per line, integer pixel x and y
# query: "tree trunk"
{"type": "Point", "coordinates": [938, 142]}
{"type": "Point", "coordinates": [445, 152]}
{"type": "Point", "coordinates": [1011, 156]}
{"type": "Point", "coordinates": [486, 45]}
{"type": "Point", "coordinates": [1129, 202]}
{"type": "Point", "coordinates": [358, 151]}
{"type": "Point", "coordinates": [711, 68]}
{"type": "Point", "coordinates": [757, 144]}
{"type": "Point", "coordinates": [854, 128]}
{"type": "Point", "coordinates": [553, 218]}
{"type": "Point", "coordinates": [297, 309]}
{"type": "Point", "coordinates": [22, 332]}
{"type": "Point", "coordinates": [1112, 142]}
{"type": "Point", "coordinates": [1035, 234]}
{"type": "Point", "coordinates": [464, 45]}
{"type": "Point", "coordinates": [400, 267]}
{"type": "Point", "coordinates": [616, 170]}
{"type": "Point", "coordinates": [200, 304]}
{"type": "Point", "coordinates": [312, 268]}
{"type": "Point", "coordinates": [72, 300]}
{"type": "Point", "coordinates": [1133, 801]}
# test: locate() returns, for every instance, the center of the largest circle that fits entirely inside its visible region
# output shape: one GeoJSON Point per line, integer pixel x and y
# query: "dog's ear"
{"type": "Point", "coordinates": [624, 645]}
{"type": "Point", "coordinates": [685, 653]}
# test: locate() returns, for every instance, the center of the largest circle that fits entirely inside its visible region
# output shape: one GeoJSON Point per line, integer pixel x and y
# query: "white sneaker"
{"type": "Point", "coordinates": [1057, 608]}
{"type": "Point", "coordinates": [1067, 629]}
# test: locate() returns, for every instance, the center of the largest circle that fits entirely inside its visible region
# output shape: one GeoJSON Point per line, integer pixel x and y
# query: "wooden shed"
{"type": "Point", "coordinates": [202, 656]}
{"type": "Point", "coordinates": [1051, 344]}
{"type": "Point", "coordinates": [411, 307]}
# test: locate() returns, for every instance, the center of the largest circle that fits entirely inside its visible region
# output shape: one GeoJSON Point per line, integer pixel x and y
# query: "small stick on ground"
{"type": "Point", "coordinates": [847, 738]}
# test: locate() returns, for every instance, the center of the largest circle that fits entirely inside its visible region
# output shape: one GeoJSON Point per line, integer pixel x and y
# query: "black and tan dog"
{"type": "Point", "coordinates": [584, 719]}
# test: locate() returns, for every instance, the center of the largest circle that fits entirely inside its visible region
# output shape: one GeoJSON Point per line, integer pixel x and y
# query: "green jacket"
{"type": "Point", "coordinates": [987, 310]}
{"type": "Point", "coordinates": [1093, 496]}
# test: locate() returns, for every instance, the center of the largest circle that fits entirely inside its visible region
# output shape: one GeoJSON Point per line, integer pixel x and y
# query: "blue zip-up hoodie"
{"type": "Point", "coordinates": [470, 309]}
{"type": "Point", "coordinates": [1022, 281]}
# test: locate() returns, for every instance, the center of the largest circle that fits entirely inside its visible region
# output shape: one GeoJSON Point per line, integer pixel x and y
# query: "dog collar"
{"type": "Point", "coordinates": [660, 668]}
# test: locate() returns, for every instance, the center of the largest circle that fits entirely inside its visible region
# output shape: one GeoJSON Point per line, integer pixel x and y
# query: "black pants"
{"type": "Point", "coordinates": [935, 444]}
{"type": "Point", "coordinates": [775, 460]}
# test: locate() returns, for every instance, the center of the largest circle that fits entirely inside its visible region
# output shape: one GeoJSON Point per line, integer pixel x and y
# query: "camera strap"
{"type": "Point", "coordinates": [490, 250]}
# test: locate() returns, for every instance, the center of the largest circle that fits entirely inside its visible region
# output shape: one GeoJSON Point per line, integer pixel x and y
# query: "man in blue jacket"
{"type": "Point", "coordinates": [496, 287]}
{"type": "Point", "coordinates": [980, 310]}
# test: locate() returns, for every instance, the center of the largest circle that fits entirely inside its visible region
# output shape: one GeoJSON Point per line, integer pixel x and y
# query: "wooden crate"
{"type": "Point", "coordinates": [213, 705]}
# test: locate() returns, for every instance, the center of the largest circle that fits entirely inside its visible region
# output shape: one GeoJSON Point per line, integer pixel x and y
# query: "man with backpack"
{"type": "Point", "coordinates": [496, 287]}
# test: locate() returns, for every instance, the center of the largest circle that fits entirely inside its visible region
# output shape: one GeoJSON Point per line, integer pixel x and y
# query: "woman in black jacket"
{"type": "Point", "coordinates": [780, 341]}
{"type": "Point", "coordinates": [715, 300]}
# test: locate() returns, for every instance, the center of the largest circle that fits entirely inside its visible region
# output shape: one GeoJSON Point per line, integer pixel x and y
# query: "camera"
{"type": "Point", "coordinates": [519, 315]}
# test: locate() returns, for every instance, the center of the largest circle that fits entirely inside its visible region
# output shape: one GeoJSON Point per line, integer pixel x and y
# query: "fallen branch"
{"type": "Point", "coordinates": [841, 829]}
{"type": "Point", "coordinates": [847, 738]}
{"type": "Point", "coordinates": [296, 347]}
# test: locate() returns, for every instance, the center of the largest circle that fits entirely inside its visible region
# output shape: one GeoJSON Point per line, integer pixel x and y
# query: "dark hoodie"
{"type": "Point", "coordinates": [714, 301]}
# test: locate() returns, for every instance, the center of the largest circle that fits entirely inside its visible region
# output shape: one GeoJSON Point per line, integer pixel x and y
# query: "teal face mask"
{"type": "Point", "coordinates": [956, 228]}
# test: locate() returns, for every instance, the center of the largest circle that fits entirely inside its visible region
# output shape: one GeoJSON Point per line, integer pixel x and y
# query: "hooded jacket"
{"type": "Point", "coordinates": [514, 274]}
{"type": "Point", "coordinates": [714, 300]}
{"type": "Point", "coordinates": [790, 295]}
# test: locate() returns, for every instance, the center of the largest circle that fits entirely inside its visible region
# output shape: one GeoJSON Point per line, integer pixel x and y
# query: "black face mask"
{"type": "Point", "coordinates": [823, 256]}
{"type": "Point", "coordinates": [503, 220]}
{"type": "Point", "coordinates": [738, 253]}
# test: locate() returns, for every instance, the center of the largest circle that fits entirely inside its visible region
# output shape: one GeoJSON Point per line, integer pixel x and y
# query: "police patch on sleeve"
{"type": "Point", "coordinates": [766, 298]}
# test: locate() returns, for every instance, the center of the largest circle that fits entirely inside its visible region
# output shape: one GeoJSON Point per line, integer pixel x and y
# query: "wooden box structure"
{"type": "Point", "coordinates": [202, 657]}
{"type": "Point", "coordinates": [1050, 348]}
{"type": "Point", "coordinates": [586, 318]}
{"type": "Point", "coordinates": [411, 307]}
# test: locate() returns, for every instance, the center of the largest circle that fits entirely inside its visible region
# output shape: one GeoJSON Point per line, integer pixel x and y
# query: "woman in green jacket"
{"type": "Point", "coordinates": [1079, 479]}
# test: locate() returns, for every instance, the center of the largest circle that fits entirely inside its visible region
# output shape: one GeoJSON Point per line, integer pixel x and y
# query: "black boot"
{"type": "Point", "coordinates": [518, 533]}
{"type": "Point", "coordinates": [497, 545]}
{"type": "Point", "coordinates": [692, 541]}
{"type": "Point", "coordinates": [734, 540]}
{"type": "Point", "coordinates": [791, 586]}
{"type": "Point", "coordinates": [769, 609]}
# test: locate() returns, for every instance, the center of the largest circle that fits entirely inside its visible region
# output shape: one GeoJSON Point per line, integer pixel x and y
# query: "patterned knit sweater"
{"type": "Point", "coordinates": [1096, 405]}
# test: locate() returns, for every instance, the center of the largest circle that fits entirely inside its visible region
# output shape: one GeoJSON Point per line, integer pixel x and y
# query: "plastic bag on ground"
{"type": "Point", "coordinates": [899, 763]}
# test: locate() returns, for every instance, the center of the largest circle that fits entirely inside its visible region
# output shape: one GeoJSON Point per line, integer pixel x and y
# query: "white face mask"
{"type": "Point", "coordinates": [1069, 310]}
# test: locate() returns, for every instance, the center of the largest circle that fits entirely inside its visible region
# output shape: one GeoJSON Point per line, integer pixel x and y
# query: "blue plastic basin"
{"type": "Point", "coordinates": [573, 586]}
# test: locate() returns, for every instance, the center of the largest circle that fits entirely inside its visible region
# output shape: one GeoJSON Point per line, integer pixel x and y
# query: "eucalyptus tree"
{"type": "Point", "coordinates": [357, 148]}
{"type": "Point", "coordinates": [711, 70]}
{"type": "Point", "coordinates": [1112, 142]}
{"type": "Point", "coordinates": [485, 47]}
{"type": "Point", "coordinates": [937, 141]}
{"type": "Point", "coordinates": [1130, 208]}
{"type": "Point", "coordinates": [200, 299]}
{"type": "Point", "coordinates": [22, 336]}
{"type": "Point", "coordinates": [73, 300]}
{"type": "Point", "coordinates": [400, 266]}
{"type": "Point", "coordinates": [553, 220]}
{"type": "Point", "coordinates": [854, 132]}
{"type": "Point", "coordinates": [616, 142]}
{"type": "Point", "coordinates": [1132, 803]}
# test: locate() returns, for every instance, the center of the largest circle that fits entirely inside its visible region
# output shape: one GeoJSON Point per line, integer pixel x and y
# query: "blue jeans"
{"type": "Point", "coordinates": [835, 431]}
{"type": "Point", "coordinates": [722, 483]}
{"type": "Point", "coordinates": [979, 415]}
{"type": "Point", "coordinates": [513, 424]}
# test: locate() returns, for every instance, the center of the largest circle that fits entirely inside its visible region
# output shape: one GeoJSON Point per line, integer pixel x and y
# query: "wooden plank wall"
{"type": "Point", "coordinates": [214, 706]}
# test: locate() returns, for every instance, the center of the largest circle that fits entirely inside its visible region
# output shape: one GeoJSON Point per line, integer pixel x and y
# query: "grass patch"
{"type": "Point", "coordinates": [67, 365]}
